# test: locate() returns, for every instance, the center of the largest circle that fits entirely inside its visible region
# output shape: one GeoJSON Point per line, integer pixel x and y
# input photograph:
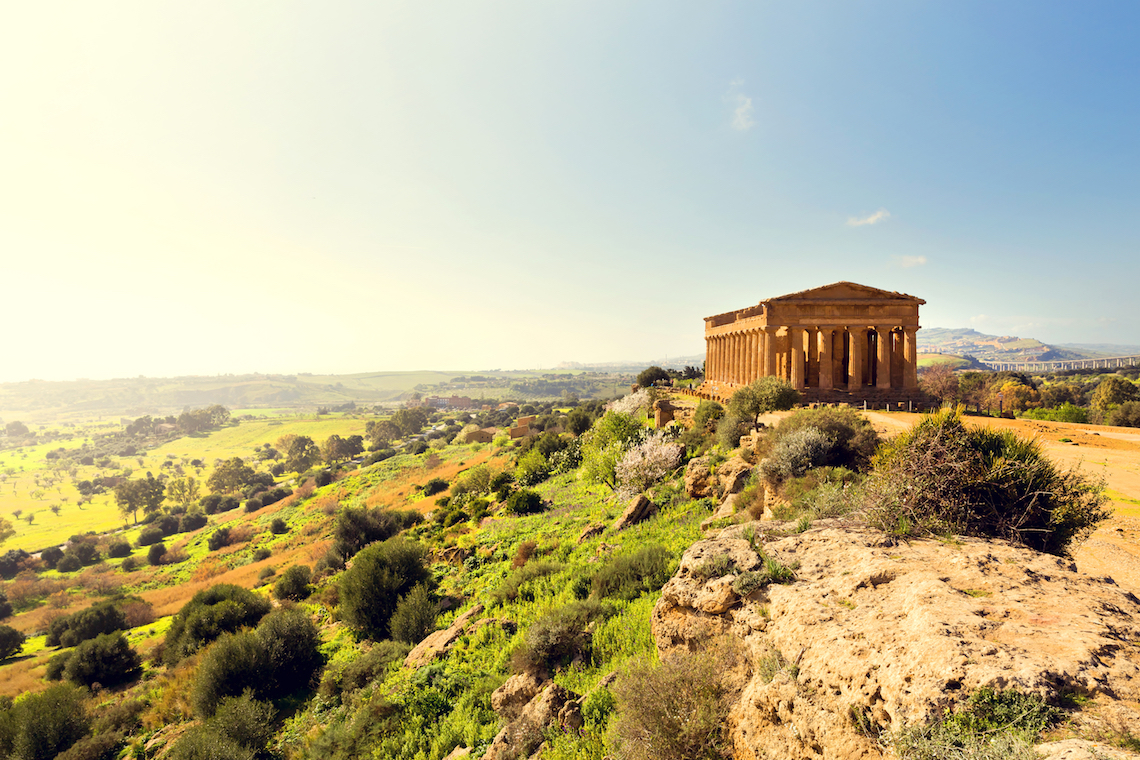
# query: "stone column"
{"type": "Point", "coordinates": [883, 358]}
{"type": "Point", "coordinates": [826, 361]}
{"type": "Point", "coordinates": [855, 368]}
{"type": "Point", "coordinates": [734, 361]}
{"type": "Point", "coordinates": [796, 357]}
{"type": "Point", "coordinates": [910, 358]}
{"type": "Point", "coordinates": [753, 355]}
{"type": "Point", "coordinates": [769, 363]}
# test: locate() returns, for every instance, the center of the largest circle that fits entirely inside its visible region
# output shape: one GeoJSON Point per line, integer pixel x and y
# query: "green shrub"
{"type": "Point", "coordinates": [357, 528]}
{"type": "Point", "coordinates": [796, 453]}
{"type": "Point", "coordinates": [246, 721]}
{"type": "Point", "coordinates": [106, 659]}
{"type": "Point", "coordinates": [101, 618]}
{"type": "Point", "coordinates": [729, 430]}
{"type": "Point", "coordinates": [942, 477]}
{"type": "Point", "coordinates": [524, 502]}
{"type": "Point", "coordinates": [232, 665]}
{"type": "Point", "coordinates": [11, 642]}
{"type": "Point", "coordinates": [510, 588]}
{"type": "Point", "coordinates": [220, 609]}
{"type": "Point", "coordinates": [150, 535]}
{"type": "Point", "coordinates": [292, 648]}
{"type": "Point", "coordinates": [628, 576]}
{"type": "Point", "coordinates": [365, 669]}
{"type": "Point", "coordinates": [155, 553]}
{"type": "Point", "coordinates": [855, 440]}
{"type": "Point", "coordinates": [675, 710]}
{"type": "Point", "coordinates": [990, 725]}
{"type": "Point", "coordinates": [434, 486]}
{"type": "Point", "coordinates": [46, 724]}
{"type": "Point", "coordinates": [560, 636]}
{"type": "Point", "coordinates": [293, 583]}
{"type": "Point", "coordinates": [218, 539]}
{"type": "Point", "coordinates": [192, 521]}
{"type": "Point", "coordinates": [201, 743]}
{"type": "Point", "coordinates": [708, 411]}
{"type": "Point", "coordinates": [414, 617]}
{"type": "Point", "coordinates": [55, 667]}
{"type": "Point", "coordinates": [379, 575]}
{"type": "Point", "coordinates": [532, 468]}
{"type": "Point", "coordinates": [119, 549]}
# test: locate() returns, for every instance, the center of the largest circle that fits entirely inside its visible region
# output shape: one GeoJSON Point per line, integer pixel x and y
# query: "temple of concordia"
{"type": "Point", "coordinates": [837, 343]}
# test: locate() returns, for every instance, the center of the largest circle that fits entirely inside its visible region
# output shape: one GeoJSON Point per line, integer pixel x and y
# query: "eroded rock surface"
{"type": "Point", "coordinates": [440, 642]}
{"type": "Point", "coordinates": [896, 632]}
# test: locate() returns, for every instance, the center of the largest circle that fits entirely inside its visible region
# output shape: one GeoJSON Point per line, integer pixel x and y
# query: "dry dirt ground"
{"type": "Point", "coordinates": [1114, 453]}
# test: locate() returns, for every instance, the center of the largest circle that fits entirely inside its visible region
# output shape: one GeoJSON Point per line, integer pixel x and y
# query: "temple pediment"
{"type": "Point", "coordinates": [845, 291]}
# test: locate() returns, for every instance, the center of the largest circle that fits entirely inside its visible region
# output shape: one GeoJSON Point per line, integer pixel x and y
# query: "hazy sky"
{"type": "Point", "coordinates": [203, 187]}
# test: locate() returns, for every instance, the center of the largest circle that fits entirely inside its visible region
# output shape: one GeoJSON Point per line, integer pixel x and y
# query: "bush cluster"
{"type": "Point", "coordinates": [379, 576]}
{"type": "Point", "coordinates": [223, 608]}
{"type": "Point", "coordinates": [280, 656]}
{"type": "Point", "coordinates": [943, 477]}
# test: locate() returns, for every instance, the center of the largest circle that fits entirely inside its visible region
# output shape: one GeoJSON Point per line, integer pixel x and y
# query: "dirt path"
{"type": "Point", "coordinates": [1114, 453]}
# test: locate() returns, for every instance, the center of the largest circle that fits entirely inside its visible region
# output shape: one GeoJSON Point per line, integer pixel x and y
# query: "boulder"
{"type": "Point", "coordinates": [591, 530]}
{"type": "Point", "coordinates": [552, 708]}
{"type": "Point", "coordinates": [439, 643]}
{"type": "Point", "coordinates": [640, 508]}
{"type": "Point", "coordinates": [733, 475]}
{"type": "Point", "coordinates": [699, 482]}
{"type": "Point", "coordinates": [899, 633]}
{"type": "Point", "coordinates": [516, 692]}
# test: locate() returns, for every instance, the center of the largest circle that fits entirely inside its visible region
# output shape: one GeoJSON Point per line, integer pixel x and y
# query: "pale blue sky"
{"type": "Point", "coordinates": [335, 187]}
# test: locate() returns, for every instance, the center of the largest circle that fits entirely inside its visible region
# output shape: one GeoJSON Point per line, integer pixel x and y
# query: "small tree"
{"type": "Point", "coordinates": [11, 642]}
{"type": "Point", "coordinates": [379, 576]}
{"type": "Point", "coordinates": [650, 376]}
{"type": "Point", "coordinates": [766, 394]}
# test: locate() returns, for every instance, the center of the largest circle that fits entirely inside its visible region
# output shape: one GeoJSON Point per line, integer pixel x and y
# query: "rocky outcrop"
{"type": "Point", "coordinates": [591, 530]}
{"type": "Point", "coordinates": [439, 643]}
{"type": "Point", "coordinates": [640, 508]}
{"type": "Point", "coordinates": [730, 477]}
{"type": "Point", "coordinates": [893, 632]}
{"type": "Point", "coordinates": [552, 708]}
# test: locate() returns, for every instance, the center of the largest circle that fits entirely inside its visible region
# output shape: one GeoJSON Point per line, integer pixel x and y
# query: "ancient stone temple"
{"type": "Point", "coordinates": [840, 342]}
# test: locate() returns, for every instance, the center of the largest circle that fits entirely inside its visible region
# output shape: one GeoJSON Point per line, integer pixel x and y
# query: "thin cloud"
{"type": "Point", "coordinates": [879, 216]}
{"type": "Point", "coordinates": [742, 120]}
{"type": "Point", "coordinates": [906, 262]}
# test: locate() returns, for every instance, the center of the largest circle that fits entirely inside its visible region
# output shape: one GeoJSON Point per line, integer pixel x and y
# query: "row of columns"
{"type": "Point", "coordinates": [827, 354]}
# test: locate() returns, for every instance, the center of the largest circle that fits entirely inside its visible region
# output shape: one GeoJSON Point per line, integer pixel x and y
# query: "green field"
{"type": "Point", "coordinates": [19, 490]}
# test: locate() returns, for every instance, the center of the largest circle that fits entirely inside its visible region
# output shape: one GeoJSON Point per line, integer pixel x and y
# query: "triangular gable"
{"type": "Point", "coordinates": [844, 291]}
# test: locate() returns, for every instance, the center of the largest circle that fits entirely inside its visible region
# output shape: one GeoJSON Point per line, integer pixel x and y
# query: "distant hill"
{"type": "Point", "coordinates": [672, 362]}
{"type": "Point", "coordinates": [1005, 348]}
{"type": "Point", "coordinates": [1103, 349]}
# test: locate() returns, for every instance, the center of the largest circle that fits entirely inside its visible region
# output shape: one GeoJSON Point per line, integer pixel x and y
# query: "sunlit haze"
{"type": "Point", "coordinates": [215, 187]}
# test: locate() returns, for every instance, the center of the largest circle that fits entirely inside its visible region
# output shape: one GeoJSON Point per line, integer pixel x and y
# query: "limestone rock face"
{"type": "Point", "coordinates": [439, 643]}
{"type": "Point", "coordinates": [699, 482]}
{"type": "Point", "coordinates": [553, 707]}
{"type": "Point", "coordinates": [732, 475]}
{"type": "Point", "coordinates": [640, 508]}
{"type": "Point", "coordinates": [897, 632]}
{"type": "Point", "coordinates": [509, 699]}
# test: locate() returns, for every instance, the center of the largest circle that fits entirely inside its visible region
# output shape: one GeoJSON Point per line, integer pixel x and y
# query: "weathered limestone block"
{"type": "Point", "coordinates": [699, 482]}
{"type": "Point", "coordinates": [509, 699]}
{"type": "Point", "coordinates": [640, 508]}
{"type": "Point", "coordinates": [439, 643]}
{"type": "Point", "coordinates": [553, 707]}
{"type": "Point", "coordinates": [900, 633]}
